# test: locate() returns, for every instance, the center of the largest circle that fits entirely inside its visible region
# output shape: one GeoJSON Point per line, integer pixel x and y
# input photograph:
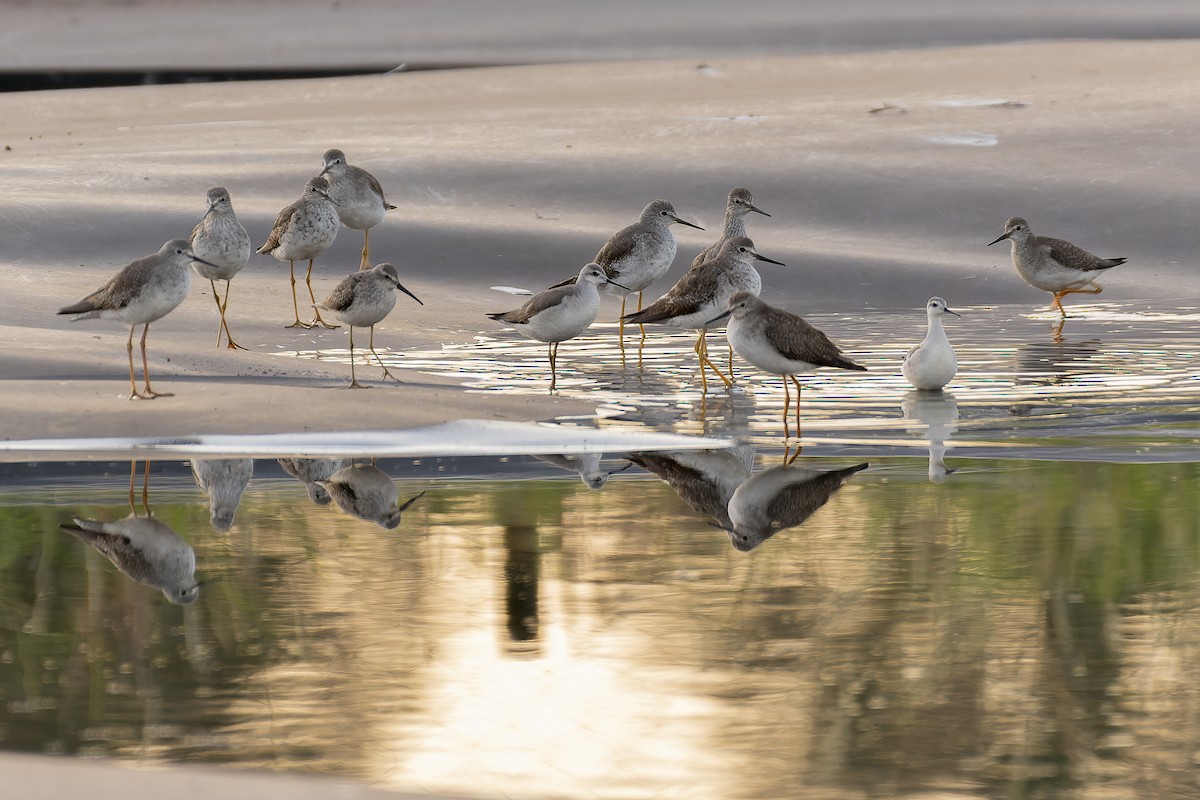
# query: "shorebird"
{"type": "Point", "coordinates": [737, 207]}
{"type": "Point", "coordinates": [305, 229]}
{"type": "Point", "coordinates": [779, 342]}
{"type": "Point", "coordinates": [704, 479]}
{"type": "Point", "coordinates": [936, 415]}
{"type": "Point", "coordinates": [359, 198]}
{"type": "Point", "coordinates": [778, 498]}
{"type": "Point", "coordinates": [223, 480]}
{"type": "Point", "coordinates": [221, 240]}
{"type": "Point", "coordinates": [364, 299]}
{"type": "Point", "coordinates": [142, 292]}
{"type": "Point", "coordinates": [930, 365]}
{"type": "Point", "coordinates": [703, 292]}
{"type": "Point", "coordinates": [368, 493]}
{"type": "Point", "coordinates": [585, 465]}
{"type": "Point", "coordinates": [142, 548]}
{"type": "Point", "coordinates": [1053, 265]}
{"type": "Point", "coordinates": [560, 312]}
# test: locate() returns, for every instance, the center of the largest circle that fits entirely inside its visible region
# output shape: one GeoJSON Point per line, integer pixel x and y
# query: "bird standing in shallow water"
{"type": "Point", "coordinates": [703, 292]}
{"type": "Point", "coordinates": [781, 343]}
{"type": "Point", "coordinates": [560, 312]}
{"type": "Point", "coordinates": [930, 365]}
{"type": "Point", "coordinates": [220, 239]}
{"type": "Point", "coordinates": [305, 229]}
{"type": "Point", "coordinates": [1053, 265]}
{"type": "Point", "coordinates": [144, 291]}
{"type": "Point", "coordinates": [359, 198]}
{"type": "Point", "coordinates": [364, 299]}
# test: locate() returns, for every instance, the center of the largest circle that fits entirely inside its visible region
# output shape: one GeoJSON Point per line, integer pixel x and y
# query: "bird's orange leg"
{"type": "Point", "coordinates": [134, 394]}
{"type": "Point", "coordinates": [232, 345]}
{"type": "Point", "coordinates": [146, 368]}
{"type": "Point", "coordinates": [316, 311]}
{"type": "Point", "coordinates": [295, 308]}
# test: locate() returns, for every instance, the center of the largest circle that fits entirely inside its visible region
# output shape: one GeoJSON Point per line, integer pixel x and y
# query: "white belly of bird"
{"type": "Point", "coordinates": [568, 319]}
{"type": "Point", "coordinates": [361, 213]}
{"type": "Point", "coordinates": [648, 262]}
{"type": "Point", "coordinates": [751, 345]}
{"type": "Point", "coordinates": [741, 279]}
{"type": "Point", "coordinates": [308, 239]}
{"type": "Point", "coordinates": [157, 299]}
{"type": "Point", "coordinates": [370, 310]}
{"type": "Point", "coordinates": [227, 246]}
{"type": "Point", "coordinates": [1042, 272]}
{"type": "Point", "coordinates": [930, 366]}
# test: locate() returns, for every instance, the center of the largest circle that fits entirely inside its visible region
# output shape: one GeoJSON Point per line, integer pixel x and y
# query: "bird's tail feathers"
{"type": "Point", "coordinates": [85, 309]}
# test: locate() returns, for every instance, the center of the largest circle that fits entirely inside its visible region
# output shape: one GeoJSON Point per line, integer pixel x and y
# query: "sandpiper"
{"type": "Point", "coordinates": [930, 365]}
{"type": "Point", "coordinates": [586, 465]}
{"type": "Point", "coordinates": [560, 312]}
{"type": "Point", "coordinates": [310, 472]}
{"type": "Point", "coordinates": [1053, 265]}
{"type": "Point", "coordinates": [305, 229]}
{"type": "Point", "coordinates": [368, 493]}
{"type": "Point", "coordinates": [142, 292]}
{"type": "Point", "coordinates": [220, 239]}
{"type": "Point", "coordinates": [364, 299]}
{"type": "Point", "coordinates": [779, 342]}
{"type": "Point", "coordinates": [704, 292]}
{"type": "Point", "coordinates": [739, 204]}
{"type": "Point", "coordinates": [145, 551]}
{"type": "Point", "coordinates": [223, 480]}
{"type": "Point", "coordinates": [359, 198]}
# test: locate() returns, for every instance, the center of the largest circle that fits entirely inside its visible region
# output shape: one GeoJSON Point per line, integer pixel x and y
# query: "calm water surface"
{"type": "Point", "coordinates": [1012, 629]}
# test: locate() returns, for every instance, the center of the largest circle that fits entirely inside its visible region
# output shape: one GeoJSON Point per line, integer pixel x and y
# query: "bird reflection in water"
{"type": "Point", "coordinates": [223, 480]}
{"type": "Point", "coordinates": [704, 479]}
{"type": "Point", "coordinates": [586, 465]}
{"type": "Point", "coordinates": [366, 492]}
{"type": "Point", "coordinates": [937, 413]}
{"type": "Point", "coordinates": [143, 549]}
{"type": "Point", "coordinates": [778, 498]}
{"type": "Point", "coordinates": [310, 472]}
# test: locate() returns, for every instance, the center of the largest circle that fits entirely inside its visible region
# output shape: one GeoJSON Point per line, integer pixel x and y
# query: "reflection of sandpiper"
{"type": "Point", "coordinates": [366, 492]}
{"type": "Point", "coordinates": [223, 480]}
{"type": "Point", "coordinates": [1053, 265]}
{"type": "Point", "coordinates": [586, 465]}
{"type": "Point", "coordinates": [143, 549]}
{"type": "Point", "coordinates": [559, 313]}
{"type": "Point", "coordinates": [142, 292]}
{"type": "Point", "coordinates": [930, 365]}
{"type": "Point", "coordinates": [310, 472]}
{"type": "Point", "coordinates": [704, 479]}
{"type": "Point", "coordinates": [937, 413]}
{"type": "Point", "coordinates": [780, 497]}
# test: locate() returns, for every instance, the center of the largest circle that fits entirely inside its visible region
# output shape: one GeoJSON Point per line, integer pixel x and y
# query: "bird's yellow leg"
{"type": "Point", "coordinates": [132, 477]}
{"type": "Point", "coordinates": [700, 359]}
{"type": "Point", "coordinates": [787, 410]}
{"type": "Point", "coordinates": [553, 352]}
{"type": "Point", "coordinates": [146, 489]}
{"type": "Point", "coordinates": [621, 326]}
{"type": "Point", "coordinates": [354, 384]}
{"type": "Point", "coordinates": [312, 297]}
{"type": "Point", "coordinates": [796, 381]}
{"type": "Point", "coordinates": [1058, 304]}
{"type": "Point", "coordinates": [134, 394]}
{"type": "Point", "coordinates": [705, 360]}
{"type": "Point", "coordinates": [217, 300]}
{"type": "Point", "coordinates": [231, 345]}
{"type": "Point", "coordinates": [146, 367]}
{"type": "Point", "coordinates": [387, 373]}
{"type": "Point", "coordinates": [295, 308]}
{"type": "Point", "coordinates": [365, 263]}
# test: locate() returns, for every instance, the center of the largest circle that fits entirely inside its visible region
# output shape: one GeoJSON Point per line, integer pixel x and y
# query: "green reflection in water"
{"type": "Point", "coordinates": [1025, 629]}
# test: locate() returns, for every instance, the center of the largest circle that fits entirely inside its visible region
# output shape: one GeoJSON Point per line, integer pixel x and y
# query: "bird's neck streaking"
{"type": "Point", "coordinates": [735, 225]}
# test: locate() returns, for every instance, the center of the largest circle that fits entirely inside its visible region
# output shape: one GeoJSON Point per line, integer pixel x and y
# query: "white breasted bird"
{"type": "Point", "coordinates": [930, 365]}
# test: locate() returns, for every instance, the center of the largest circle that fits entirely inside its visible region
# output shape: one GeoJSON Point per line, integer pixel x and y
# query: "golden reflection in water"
{"type": "Point", "coordinates": [1027, 629]}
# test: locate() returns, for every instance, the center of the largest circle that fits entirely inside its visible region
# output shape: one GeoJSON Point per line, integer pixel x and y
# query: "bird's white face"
{"type": "Point", "coordinates": [936, 305]}
{"type": "Point", "coordinates": [595, 275]}
{"type": "Point", "coordinates": [1017, 229]}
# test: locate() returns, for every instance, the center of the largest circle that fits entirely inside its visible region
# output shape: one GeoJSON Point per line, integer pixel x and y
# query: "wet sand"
{"type": "Point", "coordinates": [886, 174]}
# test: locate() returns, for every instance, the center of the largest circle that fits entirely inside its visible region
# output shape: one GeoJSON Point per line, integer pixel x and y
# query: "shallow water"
{"type": "Point", "coordinates": [1020, 629]}
{"type": "Point", "coordinates": [1107, 384]}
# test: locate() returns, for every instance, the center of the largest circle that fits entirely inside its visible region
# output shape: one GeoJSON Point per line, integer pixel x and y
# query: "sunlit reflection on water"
{"type": "Point", "coordinates": [1025, 629]}
{"type": "Point", "coordinates": [1137, 375]}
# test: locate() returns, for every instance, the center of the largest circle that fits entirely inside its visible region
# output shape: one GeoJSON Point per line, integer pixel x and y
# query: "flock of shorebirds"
{"type": "Point", "coordinates": [720, 289]}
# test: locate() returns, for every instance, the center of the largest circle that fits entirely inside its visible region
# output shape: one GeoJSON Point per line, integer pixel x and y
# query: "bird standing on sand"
{"type": "Point", "coordinates": [305, 229]}
{"type": "Point", "coordinates": [739, 204]}
{"type": "Point", "coordinates": [144, 291]}
{"type": "Point", "coordinates": [560, 312]}
{"type": "Point", "coordinates": [704, 292]}
{"type": "Point", "coordinates": [359, 198]}
{"type": "Point", "coordinates": [145, 551]}
{"type": "Point", "coordinates": [364, 299]}
{"type": "Point", "coordinates": [930, 365]}
{"type": "Point", "coordinates": [779, 342]}
{"type": "Point", "coordinates": [1053, 265]}
{"type": "Point", "coordinates": [220, 239]}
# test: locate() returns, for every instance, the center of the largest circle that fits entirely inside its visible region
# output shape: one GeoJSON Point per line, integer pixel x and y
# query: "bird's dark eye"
{"type": "Point", "coordinates": [738, 201]}
{"type": "Point", "coordinates": [663, 213]}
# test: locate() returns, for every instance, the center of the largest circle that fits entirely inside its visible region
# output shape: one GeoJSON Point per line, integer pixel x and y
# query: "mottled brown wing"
{"type": "Point", "coordinates": [799, 501]}
{"type": "Point", "coordinates": [376, 188]}
{"type": "Point", "coordinates": [281, 224]}
{"type": "Point", "coordinates": [116, 548]}
{"type": "Point", "coordinates": [343, 294]}
{"type": "Point", "coordinates": [699, 491]}
{"type": "Point", "coordinates": [799, 341]}
{"type": "Point", "coordinates": [707, 253]}
{"type": "Point", "coordinates": [618, 247]}
{"type": "Point", "coordinates": [681, 298]}
{"type": "Point", "coordinates": [1075, 257]}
